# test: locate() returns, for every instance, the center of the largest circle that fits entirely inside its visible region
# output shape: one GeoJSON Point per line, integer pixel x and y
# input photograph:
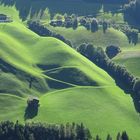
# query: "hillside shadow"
{"type": "Point", "coordinates": [135, 97]}
{"type": "Point", "coordinates": [38, 7]}
{"type": "Point", "coordinates": [72, 76]}
{"type": "Point", "coordinates": [30, 113]}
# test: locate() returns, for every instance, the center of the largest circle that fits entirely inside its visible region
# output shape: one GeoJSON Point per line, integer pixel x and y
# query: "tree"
{"type": "Point", "coordinates": [97, 137]}
{"type": "Point", "coordinates": [75, 23]}
{"type": "Point", "coordinates": [31, 137]}
{"type": "Point", "coordinates": [125, 136]}
{"type": "Point", "coordinates": [94, 25]}
{"type": "Point", "coordinates": [112, 51]}
{"type": "Point", "coordinates": [133, 9]}
{"type": "Point", "coordinates": [118, 136]}
{"type": "Point", "coordinates": [83, 21]}
{"type": "Point", "coordinates": [105, 26]}
{"type": "Point", "coordinates": [109, 137]}
{"type": "Point", "coordinates": [134, 35]}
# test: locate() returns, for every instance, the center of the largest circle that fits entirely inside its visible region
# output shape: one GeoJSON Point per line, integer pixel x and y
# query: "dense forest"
{"type": "Point", "coordinates": [39, 131]}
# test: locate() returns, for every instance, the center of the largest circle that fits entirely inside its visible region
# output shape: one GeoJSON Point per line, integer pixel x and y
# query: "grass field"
{"type": "Point", "coordinates": [130, 58]}
{"type": "Point", "coordinates": [98, 103]}
{"type": "Point", "coordinates": [99, 39]}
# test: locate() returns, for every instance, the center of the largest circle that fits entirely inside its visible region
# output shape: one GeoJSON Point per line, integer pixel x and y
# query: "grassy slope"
{"type": "Point", "coordinates": [25, 53]}
{"type": "Point", "coordinates": [89, 105]}
{"type": "Point", "coordinates": [12, 107]}
{"type": "Point", "coordinates": [130, 58]}
{"type": "Point", "coordinates": [104, 110]}
{"type": "Point", "coordinates": [81, 35]}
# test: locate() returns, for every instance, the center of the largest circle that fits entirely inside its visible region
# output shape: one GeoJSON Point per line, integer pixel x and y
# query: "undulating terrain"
{"type": "Point", "coordinates": [70, 87]}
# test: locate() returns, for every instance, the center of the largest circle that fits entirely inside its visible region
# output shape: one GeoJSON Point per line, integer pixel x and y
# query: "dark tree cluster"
{"type": "Point", "coordinates": [91, 24]}
{"type": "Point", "coordinates": [130, 32]}
{"type": "Point", "coordinates": [73, 21]}
{"type": "Point", "coordinates": [44, 31]}
{"type": "Point", "coordinates": [122, 76]}
{"type": "Point", "coordinates": [38, 131]}
{"type": "Point", "coordinates": [69, 22]}
{"type": "Point", "coordinates": [133, 9]}
{"type": "Point", "coordinates": [132, 35]}
{"type": "Point", "coordinates": [112, 51]}
{"type": "Point", "coordinates": [3, 17]}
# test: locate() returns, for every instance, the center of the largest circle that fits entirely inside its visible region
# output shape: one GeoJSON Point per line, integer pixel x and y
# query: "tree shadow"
{"type": "Point", "coordinates": [128, 90]}
{"type": "Point", "coordinates": [32, 108]}
{"type": "Point", "coordinates": [30, 113]}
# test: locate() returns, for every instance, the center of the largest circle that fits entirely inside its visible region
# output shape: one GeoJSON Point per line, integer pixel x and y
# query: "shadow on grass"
{"type": "Point", "coordinates": [30, 112]}
{"type": "Point", "coordinates": [127, 90]}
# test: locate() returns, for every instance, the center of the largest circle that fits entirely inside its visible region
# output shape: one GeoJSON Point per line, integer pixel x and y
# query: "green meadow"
{"type": "Point", "coordinates": [69, 86]}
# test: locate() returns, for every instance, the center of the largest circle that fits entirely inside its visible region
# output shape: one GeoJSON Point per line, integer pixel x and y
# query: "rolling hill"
{"type": "Point", "coordinates": [69, 86]}
{"type": "Point", "coordinates": [99, 39]}
{"type": "Point", "coordinates": [130, 58]}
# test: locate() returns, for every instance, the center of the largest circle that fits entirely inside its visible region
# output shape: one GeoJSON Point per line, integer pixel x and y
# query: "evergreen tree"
{"type": "Point", "coordinates": [97, 137]}
{"type": "Point", "coordinates": [94, 25]}
{"type": "Point", "coordinates": [109, 137]}
{"type": "Point", "coordinates": [118, 136]}
{"type": "Point", "coordinates": [75, 23]}
{"type": "Point", "coordinates": [105, 26]}
{"type": "Point", "coordinates": [125, 136]}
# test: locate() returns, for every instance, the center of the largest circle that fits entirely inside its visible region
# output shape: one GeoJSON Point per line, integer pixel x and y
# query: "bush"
{"type": "Point", "coordinates": [112, 51]}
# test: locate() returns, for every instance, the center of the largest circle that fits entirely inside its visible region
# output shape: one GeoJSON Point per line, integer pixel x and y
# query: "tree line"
{"type": "Point", "coordinates": [38, 131]}
{"type": "Point", "coordinates": [92, 24]}
{"type": "Point", "coordinates": [123, 77]}
{"type": "Point", "coordinates": [131, 33]}
{"type": "Point", "coordinates": [73, 21]}
{"type": "Point", "coordinates": [44, 31]}
{"type": "Point", "coordinates": [65, 21]}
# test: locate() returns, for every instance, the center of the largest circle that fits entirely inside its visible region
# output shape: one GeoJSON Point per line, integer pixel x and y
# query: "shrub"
{"type": "Point", "coordinates": [112, 51]}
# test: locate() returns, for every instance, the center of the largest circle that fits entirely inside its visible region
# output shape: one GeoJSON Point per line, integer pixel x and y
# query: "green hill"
{"type": "Point", "coordinates": [69, 86]}
{"type": "Point", "coordinates": [130, 58]}
{"type": "Point", "coordinates": [99, 39]}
